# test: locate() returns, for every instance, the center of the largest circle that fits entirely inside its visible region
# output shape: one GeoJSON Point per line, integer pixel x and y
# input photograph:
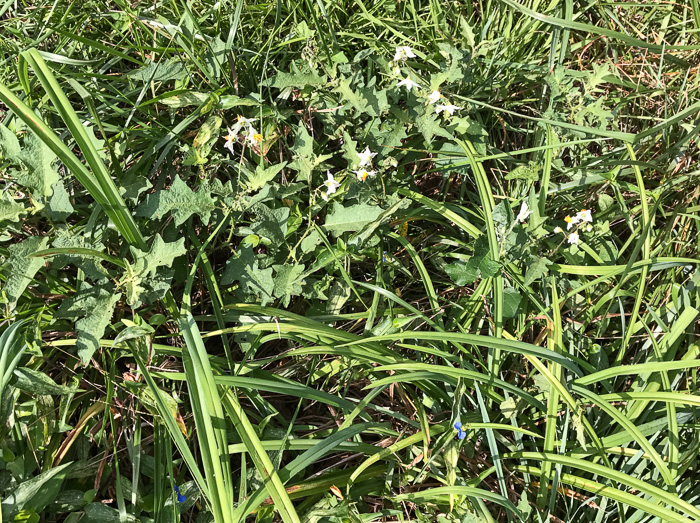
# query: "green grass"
{"type": "Point", "coordinates": [182, 309]}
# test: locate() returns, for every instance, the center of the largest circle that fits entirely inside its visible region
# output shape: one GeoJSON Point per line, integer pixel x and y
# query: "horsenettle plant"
{"type": "Point", "coordinates": [348, 261]}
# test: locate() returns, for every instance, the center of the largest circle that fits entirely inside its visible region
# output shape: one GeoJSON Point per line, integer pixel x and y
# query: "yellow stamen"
{"type": "Point", "coordinates": [364, 175]}
{"type": "Point", "coordinates": [568, 219]}
{"type": "Point", "coordinates": [258, 137]}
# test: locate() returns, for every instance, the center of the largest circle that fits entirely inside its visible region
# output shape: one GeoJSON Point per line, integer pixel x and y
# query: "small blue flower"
{"type": "Point", "coordinates": [460, 433]}
{"type": "Point", "coordinates": [384, 256]}
{"type": "Point", "coordinates": [180, 497]}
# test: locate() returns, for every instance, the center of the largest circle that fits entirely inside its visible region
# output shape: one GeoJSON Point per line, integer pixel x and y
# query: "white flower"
{"type": "Point", "coordinates": [449, 108]}
{"type": "Point", "coordinates": [366, 157]}
{"type": "Point", "coordinates": [434, 97]}
{"type": "Point", "coordinates": [584, 216]}
{"type": "Point", "coordinates": [324, 196]}
{"type": "Point", "coordinates": [230, 140]}
{"type": "Point", "coordinates": [362, 174]}
{"type": "Point", "coordinates": [558, 229]}
{"type": "Point", "coordinates": [589, 228]}
{"type": "Point", "coordinates": [403, 53]}
{"type": "Point", "coordinates": [331, 184]}
{"type": "Point", "coordinates": [570, 222]}
{"type": "Point", "coordinates": [573, 238]}
{"type": "Point", "coordinates": [252, 136]}
{"type": "Point", "coordinates": [241, 121]}
{"type": "Point", "coordinates": [524, 213]}
{"type": "Point", "coordinates": [410, 84]}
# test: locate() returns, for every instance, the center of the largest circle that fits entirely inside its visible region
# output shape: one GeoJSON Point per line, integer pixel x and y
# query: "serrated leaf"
{"type": "Point", "coordinates": [536, 268]}
{"type": "Point", "coordinates": [20, 267]}
{"type": "Point", "coordinates": [353, 218]}
{"type": "Point", "coordinates": [245, 270]}
{"type": "Point", "coordinates": [40, 175]}
{"type": "Point", "coordinates": [509, 408]}
{"type": "Point", "coordinates": [258, 179]}
{"type": "Point", "coordinates": [349, 96]}
{"type": "Point", "coordinates": [305, 161]}
{"type": "Point", "coordinates": [288, 281]}
{"type": "Point", "coordinates": [430, 124]}
{"type": "Point", "coordinates": [10, 209]}
{"type": "Point", "coordinates": [180, 200]}
{"type": "Point", "coordinates": [160, 254]}
{"type": "Point", "coordinates": [95, 306]}
{"type": "Point", "coordinates": [35, 382]}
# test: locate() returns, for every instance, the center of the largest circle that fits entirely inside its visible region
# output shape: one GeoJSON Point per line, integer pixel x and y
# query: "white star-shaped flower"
{"type": "Point", "coordinates": [230, 140]}
{"type": "Point", "coordinates": [584, 216]}
{"type": "Point", "coordinates": [558, 229]}
{"type": "Point", "coordinates": [410, 84]}
{"type": "Point", "coordinates": [362, 174]}
{"type": "Point", "coordinates": [573, 238]}
{"type": "Point", "coordinates": [524, 213]}
{"type": "Point", "coordinates": [331, 184]}
{"type": "Point", "coordinates": [403, 53]}
{"type": "Point", "coordinates": [434, 97]}
{"type": "Point", "coordinates": [366, 157]}
{"type": "Point", "coordinates": [449, 108]}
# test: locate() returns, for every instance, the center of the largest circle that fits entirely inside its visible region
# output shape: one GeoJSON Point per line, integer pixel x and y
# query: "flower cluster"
{"type": "Point", "coordinates": [365, 164]}
{"type": "Point", "coordinates": [252, 136]}
{"type": "Point", "coordinates": [584, 216]}
{"type": "Point", "coordinates": [460, 433]}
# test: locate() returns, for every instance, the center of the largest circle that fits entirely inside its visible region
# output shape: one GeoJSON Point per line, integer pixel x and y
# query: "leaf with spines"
{"type": "Point", "coordinates": [94, 306]}
{"type": "Point", "coordinates": [305, 161]}
{"type": "Point", "coordinates": [90, 265]}
{"type": "Point", "coordinates": [179, 200]}
{"type": "Point", "coordinates": [20, 267]}
{"type": "Point", "coordinates": [353, 218]}
{"type": "Point", "coordinates": [140, 280]}
{"type": "Point", "coordinates": [253, 280]}
{"type": "Point", "coordinates": [288, 281]}
{"type": "Point", "coordinates": [10, 209]}
{"type": "Point", "coordinates": [39, 176]}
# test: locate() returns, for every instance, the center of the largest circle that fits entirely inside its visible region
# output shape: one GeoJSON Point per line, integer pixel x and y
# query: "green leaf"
{"type": "Point", "coordinates": [511, 302]}
{"type": "Point", "coordinates": [258, 179]}
{"type": "Point", "coordinates": [305, 161]}
{"type": "Point", "coordinates": [430, 124]}
{"type": "Point", "coordinates": [35, 382]}
{"type": "Point", "coordinates": [353, 218]}
{"type": "Point", "coordinates": [10, 209]}
{"type": "Point", "coordinates": [159, 72]}
{"type": "Point", "coordinates": [462, 273]}
{"type": "Point", "coordinates": [295, 79]}
{"type": "Point", "coordinates": [270, 223]}
{"type": "Point", "coordinates": [349, 96]}
{"type": "Point", "coordinates": [90, 265]}
{"type": "Point", "coordinates": [605, 201]}
{"type": "Point", "coordinates": [58, 207]}
{"type": "Point", "coordinates": [20, 267]}
{"type": "Point", "coordinates": [529, 172]}
{"type": "Point", "coordinates": [40, 175]}
{"type": "Point", "coordinates": [9, 145]}
{"type": "Point", "coordinates": [253, 280]}
{"type": "Point", "coordinates": [95, 305]}
{"type": "Point", "coordinates": [288, 281]}
{"type": "Point", "coordinates": [36, 493]}
{"type": "Point", "coordinates": [161, 254]}
{"type": "Point", "coordinates": [536, 268]}
{"type": "Point", "coordinates": [180, 200]}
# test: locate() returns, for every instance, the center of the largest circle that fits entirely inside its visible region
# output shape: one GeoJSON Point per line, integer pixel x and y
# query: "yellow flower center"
{"type": "Point", "coordinates": [229, 137]}
{"type": "Point", "coordinates": [364, 175]}
{"type": "Point", "coordinates": [568, 219]}
{"type": "Point", "coordinates": [258, 137]}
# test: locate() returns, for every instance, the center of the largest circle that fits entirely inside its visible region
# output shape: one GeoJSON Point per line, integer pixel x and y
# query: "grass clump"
{"type": "Point", "coordinates": [349, 261]}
